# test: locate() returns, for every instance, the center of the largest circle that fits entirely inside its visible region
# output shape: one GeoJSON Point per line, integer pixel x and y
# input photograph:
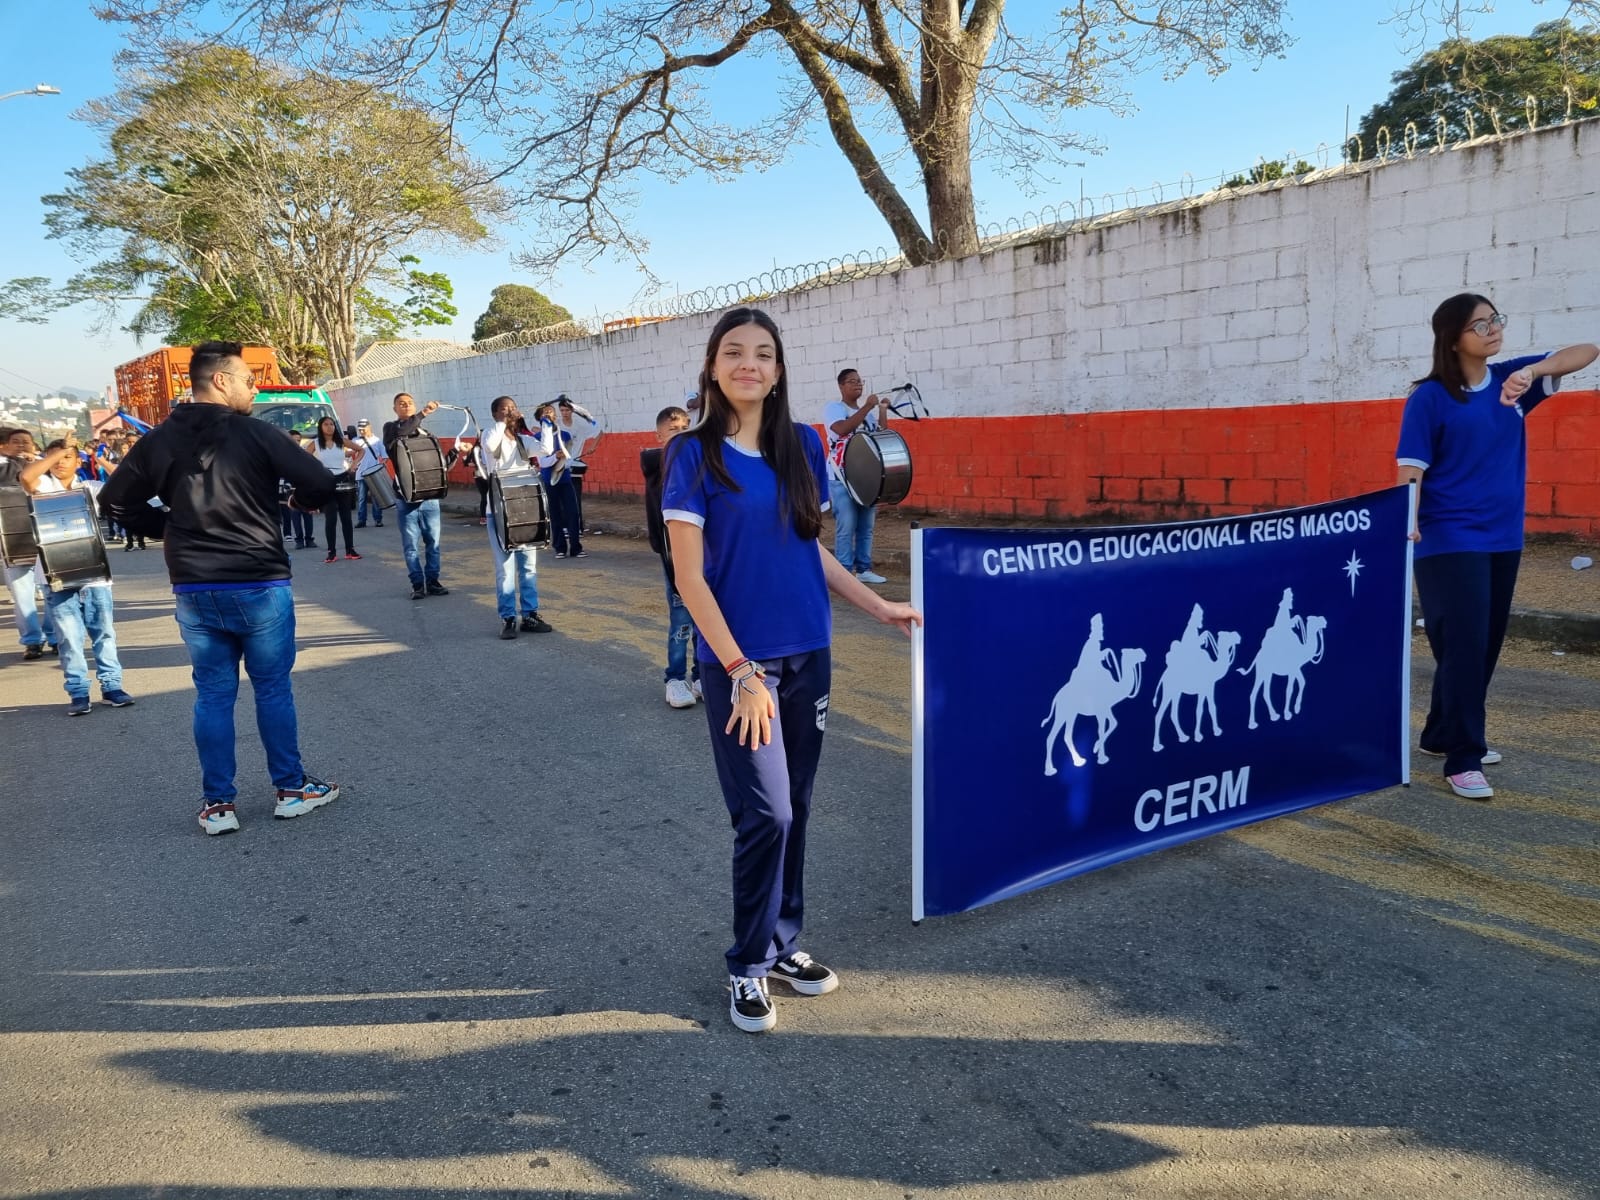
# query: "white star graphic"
{"type": "Point", "coordinates": [1352, 569]}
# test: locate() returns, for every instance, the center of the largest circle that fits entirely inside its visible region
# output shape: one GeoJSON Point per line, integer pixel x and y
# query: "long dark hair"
{"type": "Point", "coordinates": [778, 437]}
{"type": "Point", "coordinates": [1449, 323]}
{"type": "Point", "coordinates": [338, 438]}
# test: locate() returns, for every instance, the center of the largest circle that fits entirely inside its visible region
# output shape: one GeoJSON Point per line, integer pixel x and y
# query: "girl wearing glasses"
{"type": "Point", "coordinates": [1462, 440]}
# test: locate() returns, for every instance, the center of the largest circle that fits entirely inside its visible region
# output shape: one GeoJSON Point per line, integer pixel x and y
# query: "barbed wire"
{"type": "Point", "coordinates": [1051, 221]}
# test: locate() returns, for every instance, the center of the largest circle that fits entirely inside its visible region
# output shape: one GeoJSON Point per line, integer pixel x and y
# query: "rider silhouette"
{"type": "Point", "coordinates": [1284, 621]}
{"type": "Point", "coordinates": [1193, 637]}
{"type": "Point", "coordinates": [1094, 655]}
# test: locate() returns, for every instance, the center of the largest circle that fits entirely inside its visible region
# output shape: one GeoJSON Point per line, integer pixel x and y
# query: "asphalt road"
{"type": "Point", "coordinates": [493, 968]}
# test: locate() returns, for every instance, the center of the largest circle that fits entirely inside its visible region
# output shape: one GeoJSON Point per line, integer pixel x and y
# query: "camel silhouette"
{"type": "Point", "coordinates": [1092, 691]}
{"type": "Point", "coordinates": [1193, 671]}
{"type": "Point", "coordinates": [1285, 649]}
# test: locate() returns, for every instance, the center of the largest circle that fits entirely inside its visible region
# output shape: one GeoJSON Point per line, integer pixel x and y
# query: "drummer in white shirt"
{"type": "Point", "coordinates": [852, 523]}
{"type": "Point", "coordinates": [509, 445]}
{"type": "Point", "coordinates": [85, 608]}
{"type": "Point", "coordinates": [579, 432]}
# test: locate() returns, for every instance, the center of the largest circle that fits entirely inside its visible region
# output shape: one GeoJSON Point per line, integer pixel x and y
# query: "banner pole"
{"type": "Point", "coordinates": [917, 685]}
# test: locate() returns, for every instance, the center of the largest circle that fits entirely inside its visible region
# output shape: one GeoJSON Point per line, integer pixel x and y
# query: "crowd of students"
{"type": "Point", "coordinates": [736, 499]}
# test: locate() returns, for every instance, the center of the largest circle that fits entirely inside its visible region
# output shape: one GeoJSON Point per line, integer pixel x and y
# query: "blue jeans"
{"type": "Point", "coordinates": [362, 502]}
{"type": "Point", "coordinates": [680, 635]}
{"type": "Point", "coordinates": [74, 612]}
{"type": "Point", "coordinates": [516, 578]}
{"type": "Point", "coordinates": [34, 627]}
{"type": "Point", "coordinates": [220, 628]}
{"type": "Point", "coordinates": [852, 528]}
{"type": "Point", "coordinates": [420, 522]}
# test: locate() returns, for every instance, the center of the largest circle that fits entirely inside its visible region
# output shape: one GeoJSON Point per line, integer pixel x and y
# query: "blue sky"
{"type": "Point", "coordinates": [705, 233]}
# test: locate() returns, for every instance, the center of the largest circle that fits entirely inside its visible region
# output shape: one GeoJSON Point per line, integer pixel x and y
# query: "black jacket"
{"type": "Point", "coordinates": [217, 472]}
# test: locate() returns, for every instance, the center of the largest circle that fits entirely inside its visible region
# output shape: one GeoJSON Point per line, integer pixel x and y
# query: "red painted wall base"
{"type": "Point", "coordinates": [1170, 464]}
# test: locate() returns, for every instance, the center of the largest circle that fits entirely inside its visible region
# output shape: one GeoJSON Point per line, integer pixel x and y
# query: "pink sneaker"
{"type": "Point", "coordinates": [1470, 784]}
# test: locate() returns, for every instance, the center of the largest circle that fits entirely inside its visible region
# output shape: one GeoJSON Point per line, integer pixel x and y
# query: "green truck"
{"type": "Point", "coordinates": [289, 406]}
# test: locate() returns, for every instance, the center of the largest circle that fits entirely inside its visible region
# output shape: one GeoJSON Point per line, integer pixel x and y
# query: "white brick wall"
{"type": "Point", "coordinates": [1315, 291]}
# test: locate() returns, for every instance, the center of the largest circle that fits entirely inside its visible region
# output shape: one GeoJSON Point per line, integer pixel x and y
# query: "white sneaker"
{"type": "Point", "coordinates": [870, 577]}
{"type": "Point", "coordinates": [749, 1006]}
{"type": "Point", "coordinates": [678, 694]}
{"type": "Point", "coordinates": [699, 692]}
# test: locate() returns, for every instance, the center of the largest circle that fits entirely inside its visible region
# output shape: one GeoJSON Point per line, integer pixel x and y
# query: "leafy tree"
{"type": "Point", "coordinates": [588, 97]}
{"type": "Point", "coordinates": [424, 300]}
{"type": "Point", "coordinates": [1464, 81]}
{"type": "Point", "coordinates": [514, 307]}
{"type": "Point", "coordinates": [29, 299]}
{"type": "Point", "coordinates": [1266, 172]}
{"type": "Point", "coordinates": [242, 199]}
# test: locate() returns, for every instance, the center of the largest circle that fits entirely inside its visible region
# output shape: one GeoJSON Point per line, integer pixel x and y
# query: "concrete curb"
{"type": "Point", "coordinates": [1572, 631]}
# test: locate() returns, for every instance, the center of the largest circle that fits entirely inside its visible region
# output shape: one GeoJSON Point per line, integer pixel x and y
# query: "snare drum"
{"type": "Point", "coordinates": [344, 488]}
{"type": "Point", "coordinates": [17, 545]}
{"type": "Point", "coordinates": [877, 467]}
{"type": "Point", "coordinates": [380, 488]}
{"type": "Point", "coordinates": [520, 515]}
{"type": "Point", "coordinates": [70, 547]}
{"type": "Point", "coordinates": [419, 469]}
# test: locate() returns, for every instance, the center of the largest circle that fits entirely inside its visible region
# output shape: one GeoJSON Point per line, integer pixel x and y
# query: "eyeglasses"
{"type": "Point", "coordinates": [247, 377]}
{"type": "Point", "coordinates": [1482, 328]}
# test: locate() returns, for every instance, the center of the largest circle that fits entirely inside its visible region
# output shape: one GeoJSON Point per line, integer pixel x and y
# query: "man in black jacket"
{"type": "Point", "coordinates": [216, 471]}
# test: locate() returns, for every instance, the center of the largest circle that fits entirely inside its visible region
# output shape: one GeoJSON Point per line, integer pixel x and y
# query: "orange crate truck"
{"type": "Point", "coordinates": [149, 386]}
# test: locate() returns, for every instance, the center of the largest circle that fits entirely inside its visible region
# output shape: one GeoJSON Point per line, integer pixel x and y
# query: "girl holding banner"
{"type": "Point", "coordinates": [743, 499]}
{"type": "Point", "coordinates": [1462, 439]}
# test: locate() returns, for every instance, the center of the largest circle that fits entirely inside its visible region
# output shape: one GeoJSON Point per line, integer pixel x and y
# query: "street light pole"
{"type": "Point", "coordinates": [38, 89]}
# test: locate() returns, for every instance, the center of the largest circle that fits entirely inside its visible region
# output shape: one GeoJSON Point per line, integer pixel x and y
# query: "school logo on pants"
{"type": "Point", "coordinates": [822, 713]}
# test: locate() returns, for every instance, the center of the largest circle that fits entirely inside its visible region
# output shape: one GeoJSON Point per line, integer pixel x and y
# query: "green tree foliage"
{"type": "Point", "coordinates": [1465, 82]}
{"type": "Point", "coordinates": [514, 307]}
{"type": "Point", "coordinates": [588, 98]}
{"type": "Point", "coordinates": [419, 299]}
{"type": "Point", "coordinates": [1266, 172]}
{"type": "Point", "coordinates": [243, 200]}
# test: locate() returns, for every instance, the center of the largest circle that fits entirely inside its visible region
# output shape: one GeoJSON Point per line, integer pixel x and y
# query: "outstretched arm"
{"type": "Point", "coordinates": [847, 587]}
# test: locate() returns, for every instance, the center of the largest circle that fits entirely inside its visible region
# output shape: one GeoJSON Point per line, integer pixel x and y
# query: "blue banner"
{"type": "Point", "coordinates": [1083, 696]}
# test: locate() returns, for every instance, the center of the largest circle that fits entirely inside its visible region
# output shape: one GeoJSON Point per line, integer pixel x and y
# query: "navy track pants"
{"type": "Point", "coordinates": [768, 794]}
{"type": "Point", "coordinates": [1466, 605]}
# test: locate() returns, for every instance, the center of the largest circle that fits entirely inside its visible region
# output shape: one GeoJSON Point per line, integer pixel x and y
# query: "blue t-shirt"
{"type": "Point", "coordinates": [767, 581]}
{"type": "Point", "coordinates": [1474, 458]}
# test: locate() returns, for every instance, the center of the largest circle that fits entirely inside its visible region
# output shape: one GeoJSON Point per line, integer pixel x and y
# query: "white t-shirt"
{"type": "Point", "coordinates": [498, 451]}
{"type": "Point", "coordinates": [49, 485]}
{"type": "Point", "coordinates": [371, 454]}
{"type": "Point", "coordinates": [838, 410]}
{"type": "Point", "coordinates": [333, 458]}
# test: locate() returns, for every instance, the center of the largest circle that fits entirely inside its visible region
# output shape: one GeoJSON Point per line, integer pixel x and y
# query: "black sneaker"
{"type": "Point", "coordinates": [30, 653]}
{"type": "Point", "coordinates": [749, 1006]}
{"type": "Point", "coordinates": [80, 707]}
{"type": "Point", "coordinates": [534, 623]}
{"type": "Point", "coordinates": [437, 589]}
{"type": "Point", "coordinates": [508, 631]}
{"type": "Point", "coordinates": [417, 593]}
{"type": "Point", "coordinates": [805, 975]}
